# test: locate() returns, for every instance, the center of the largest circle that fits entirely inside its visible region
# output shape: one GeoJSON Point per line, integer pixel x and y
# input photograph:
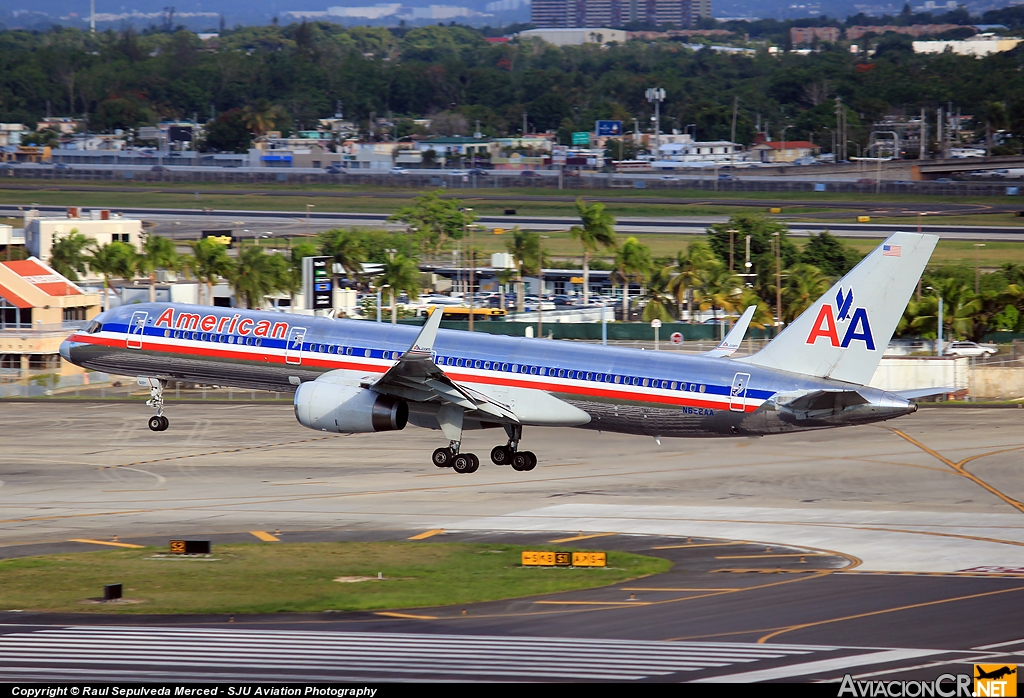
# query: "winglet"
{"type": "Point", "coordinates": [424, 343]}
{"type": "Point", "coordinates": [732, 340]}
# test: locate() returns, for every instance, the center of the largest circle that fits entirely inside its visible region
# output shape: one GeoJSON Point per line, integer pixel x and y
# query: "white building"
{"type": "Point", "coordinates": [99, 225]}
{"type": "Point", "coordinates": [686, 152]}
{"type": "Point", "coordinates": [575, 36]}
{"type": "Point", "coordinates": [978, 46]}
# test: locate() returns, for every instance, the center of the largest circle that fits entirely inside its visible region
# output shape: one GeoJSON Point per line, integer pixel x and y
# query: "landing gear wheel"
{"type": "Point", "coordinates": [502, 455]}
{"type": "Point", "coordinates": [524, 461]}
{"type": "Point", "coordinates": [156, 423]}
{"type": "Point", "coordinates": [465, 463]}
{"type": "Point", "coordinates": [443, 457]}
{"type": "Point", "coordinates": [164, 423]}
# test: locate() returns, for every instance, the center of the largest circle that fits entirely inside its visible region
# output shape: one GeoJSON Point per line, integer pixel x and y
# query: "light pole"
{"type": "Point", "coordinates": [379, 289]}
{"type": "Point", "coordinates": [778, 282]}
{"type": "Point", "coordinates": [656, 95]}
{"type": "Point", "coordinates": [472, 263]}
{"type": "Point", "coordinates": [938, 341]}
{"type": "Point", "coordinates": [540, 290]}
{"type": "Point", "coordinates": [732, 237]}
{"type": "Point", "coordinates": [977, 269]}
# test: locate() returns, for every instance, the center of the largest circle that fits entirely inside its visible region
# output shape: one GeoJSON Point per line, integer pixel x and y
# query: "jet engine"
{"type": "Point", "coordinates": [347, 409]}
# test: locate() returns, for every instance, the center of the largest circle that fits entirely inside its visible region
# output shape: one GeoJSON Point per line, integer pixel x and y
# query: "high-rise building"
{"type": "Point", "coordinates": [681, 14]}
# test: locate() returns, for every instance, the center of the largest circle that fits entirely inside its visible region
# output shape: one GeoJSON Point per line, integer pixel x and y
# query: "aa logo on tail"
{"type": "Point", "coordinates": [842, 316]}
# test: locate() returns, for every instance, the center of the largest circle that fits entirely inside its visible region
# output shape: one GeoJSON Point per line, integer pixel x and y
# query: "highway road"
{"type": "Point", "coordinates": [799, 557]}
{"type": "Point", "coordinates": [185, 224]}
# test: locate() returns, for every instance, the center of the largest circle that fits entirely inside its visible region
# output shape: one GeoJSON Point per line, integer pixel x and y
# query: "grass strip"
{"type": "Point", "coordinates": [276, 577]}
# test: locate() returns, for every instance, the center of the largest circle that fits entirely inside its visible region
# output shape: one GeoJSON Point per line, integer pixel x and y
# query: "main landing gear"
{"type": "Point", "coordinates": [157, 422]}
{"type": "Point", "coordinates": [508, 454]}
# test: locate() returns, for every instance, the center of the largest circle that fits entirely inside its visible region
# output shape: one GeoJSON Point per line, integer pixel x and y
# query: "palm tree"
{"type": "Point", "coordinates": [157, 253]}
{"type": "Point", "coordinates": [632, 264]}
{"type": "Point", "coordinates": [660, 302]}
{"type": "Point", "coordinates": [698, 256]}
{"type": "Point", "coordinates": [598, 230]}
{"type": "Point", "coordinates": [257, 274]}
{"type": "Point", "coordinates": [718, 288]}
{"type": "Point", "coordinates": [112, 259]}
{"type": "Point", "coordinates": [67, 256]}
{"type": "Point", "coordinates": [524, 248]}
{"type": "Point", "coordinates": [400, 274]}
{"type": "Point", "coordinates": [803, 285]}
{"type": "Point", "coordinates": [345, 247]}
{"type": "Point", "coordinates": [210, 263]}
{"type": "Point", "coordinates": [261, 117]}
{"type": "Point", "coordinates": [292, 280]}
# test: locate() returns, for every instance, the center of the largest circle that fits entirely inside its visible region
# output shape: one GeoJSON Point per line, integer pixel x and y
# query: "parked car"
{"type": "Point", "coordinates": [478, 171]}
{"type": "Point", "coordinates": [529, 173]}
{"type": "Point", "coordinates": [968, 349]}
{"type": "Point", "coordinates": [399, 170]}
{"type": "Point", "coordinates": [334, 169]}
{"type": "Point", "coordinates": [943, 180]}
{"type": "Point", "coordinates": [866, 180]}
{"type": "Point", "coordinates": [157, 168]}
{"type": "Point", "coordinates": [726, 177]}
{"type": "Point", "coordinates": [61, 167]}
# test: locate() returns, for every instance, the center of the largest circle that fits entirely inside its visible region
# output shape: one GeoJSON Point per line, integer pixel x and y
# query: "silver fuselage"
{"type": "Point", "coordinates": [622, 390]}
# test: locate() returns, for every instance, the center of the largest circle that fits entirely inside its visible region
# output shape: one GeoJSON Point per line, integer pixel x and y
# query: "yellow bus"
{"type": "Point", "coordinates": [462, 313]}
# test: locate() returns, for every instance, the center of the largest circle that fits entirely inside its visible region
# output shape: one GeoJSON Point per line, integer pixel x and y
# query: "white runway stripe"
{"type": "Point", "coordinates": [374, 653]}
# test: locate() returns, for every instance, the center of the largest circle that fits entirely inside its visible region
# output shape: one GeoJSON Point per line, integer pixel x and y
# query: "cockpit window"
{"type": "Point", "coordinates": [94, 327]}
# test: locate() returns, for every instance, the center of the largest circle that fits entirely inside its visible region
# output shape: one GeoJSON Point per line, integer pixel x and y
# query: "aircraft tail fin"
{"type": "Point", "coordinates": [844, 334]}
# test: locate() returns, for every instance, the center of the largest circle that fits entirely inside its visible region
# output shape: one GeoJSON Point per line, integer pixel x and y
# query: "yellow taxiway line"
{"type": "Point", "coordinates": [427, 534]}
{"type": "Point", "coordinates": [581, 537]}
{"type": "Point", "coordinates": [265, 537]}
{"type": "Point", "coordinates": [106, 542]}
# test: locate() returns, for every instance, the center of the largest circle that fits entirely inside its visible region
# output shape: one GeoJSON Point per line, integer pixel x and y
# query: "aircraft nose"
{"type": "Point", "coordinates": [65, 350]}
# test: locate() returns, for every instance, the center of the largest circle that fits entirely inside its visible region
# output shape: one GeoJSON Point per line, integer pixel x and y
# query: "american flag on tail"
{"type": "Point", "coordinates": [891, 250]}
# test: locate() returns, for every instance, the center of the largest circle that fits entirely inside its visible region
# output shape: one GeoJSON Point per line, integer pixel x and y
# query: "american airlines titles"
{"type": "Point", "coordinates": [226, 324]}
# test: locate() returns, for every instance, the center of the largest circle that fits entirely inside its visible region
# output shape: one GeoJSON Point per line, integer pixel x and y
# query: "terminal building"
{"type": "Point", "coordinates": [681, 14]}
{"type": "Point", "coordinates": [38, 309]}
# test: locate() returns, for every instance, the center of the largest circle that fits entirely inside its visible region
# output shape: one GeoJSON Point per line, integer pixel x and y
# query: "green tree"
{"type": "Point", "coordinates": [257, 275]}
{"type": "Point", "coordinates": [68, 254]}
{"type": "Point", "coordinates": [400, 274]}
{"type": "Point", "coordinates": [632, 265]}
{"type": "Point", "coordinates": [228, 133]}
{"type": "Point", "coordinates": [597, 231]}
{"type": "Point", "coordinates": [344, 247]}
{"type": "Point", "coordinates": [802, 285]}
{"type": "Point", "coordinates": [659, 301]}
{"type": "Point", "coordinates": [829, 254]}
{"type": "Point", "coordinates": [210, 263]}
{"type": "Point", "coordinates": [433, 221]}
{"type": "Point", "coordinates": [110, 260]}
{"type": "Point", "coordinates": [157, 253]}
{"type": "Point", "coordinates": [717, 289]}
{"type": "Point", "coordinates": [525, 250]}
{"type": "Point", "coordinates": [762, 232]}
{"type": "Point", "coordinates": [689, 264]}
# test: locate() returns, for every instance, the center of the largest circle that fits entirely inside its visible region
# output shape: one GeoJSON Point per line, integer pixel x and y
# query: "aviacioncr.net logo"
{"type": "Point", "coordinates": [945, 686]}
{"type": "Point", "coordinates": [842, 315]}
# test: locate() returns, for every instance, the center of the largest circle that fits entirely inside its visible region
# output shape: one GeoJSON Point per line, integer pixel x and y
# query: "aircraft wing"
{"type": "Point", "coordinates": [416, 377]}
{"type": "Point", "coordinates": [732, 340]}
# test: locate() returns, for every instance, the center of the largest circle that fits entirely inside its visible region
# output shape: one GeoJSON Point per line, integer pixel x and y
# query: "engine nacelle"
{"type": "Point", "coordinates": [347, 409]}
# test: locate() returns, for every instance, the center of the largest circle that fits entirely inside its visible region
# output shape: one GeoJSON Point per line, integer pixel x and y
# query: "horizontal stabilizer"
{"type": "Point", "coordinates": [918, 393]}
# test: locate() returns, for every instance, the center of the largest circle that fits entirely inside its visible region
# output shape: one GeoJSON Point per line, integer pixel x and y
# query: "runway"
{"type": "Point", "coordinates": [801, 557]}
{"type": "Point", "coordinates": [188, 224]}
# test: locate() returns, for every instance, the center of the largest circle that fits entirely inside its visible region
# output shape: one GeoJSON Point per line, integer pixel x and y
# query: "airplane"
{"type": "Point", "coordinates": [995, 674]}
{"type": "Point", "coordinates": [352, 376]}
